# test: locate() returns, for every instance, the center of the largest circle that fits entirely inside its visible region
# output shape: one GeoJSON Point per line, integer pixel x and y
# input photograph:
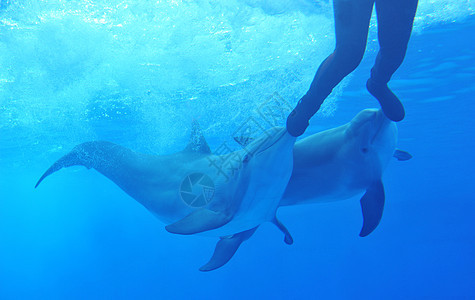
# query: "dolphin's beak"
{"type": "Point", "coordinates": [381, 121]}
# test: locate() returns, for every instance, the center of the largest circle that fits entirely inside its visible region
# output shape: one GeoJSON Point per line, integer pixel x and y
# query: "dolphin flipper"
{"type": "Point", "coordinates": [372, 205]}
{"type": "Point", "coordinates": [225, 249]}
{"type": "Point", "coordinates": [402, 155]}
{"type": "Point", "coordinates": [288, 237]}
{"type": "Point", "coordinates": [198, 221]}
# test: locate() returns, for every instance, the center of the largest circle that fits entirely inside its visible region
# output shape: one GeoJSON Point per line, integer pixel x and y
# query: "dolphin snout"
{"type": "Point", "coordinates": [381, 117]}
{"type": "Point", "coordinates": [383, 126]}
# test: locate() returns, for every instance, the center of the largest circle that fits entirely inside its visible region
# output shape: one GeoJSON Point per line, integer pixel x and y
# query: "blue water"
{"type": "Point", "coordinates": [136, 73]}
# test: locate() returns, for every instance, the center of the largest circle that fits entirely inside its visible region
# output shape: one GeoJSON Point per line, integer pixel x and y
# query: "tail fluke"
{"type": "Point", "coordinates": [89, 154]}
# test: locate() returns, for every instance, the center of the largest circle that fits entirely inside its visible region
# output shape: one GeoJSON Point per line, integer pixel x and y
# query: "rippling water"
{"type": "Point", "coordinates": [137, 73]}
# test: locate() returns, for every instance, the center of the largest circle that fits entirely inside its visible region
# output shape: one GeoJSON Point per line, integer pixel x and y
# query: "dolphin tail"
{"type": "Point", "coordinates": [90, 154]}
{"type": "Point", "coordinates": [70, 159]}
{"type": "Point", "coordinates": [225, 249]}
{"type": "Point", "coordinates": [372, 205]}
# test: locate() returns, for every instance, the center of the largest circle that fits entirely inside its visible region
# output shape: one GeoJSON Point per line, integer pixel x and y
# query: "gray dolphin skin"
{"type": "Point", "coordinates": [186, 191]}
{"type": "Point", "coordinates": [343, 162]}
{"type": "Point", "coordinates": [228, 205]}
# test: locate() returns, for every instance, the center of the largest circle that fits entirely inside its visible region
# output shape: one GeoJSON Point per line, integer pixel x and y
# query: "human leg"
{"type": "Point", "coordinates": [351, 30]}
{"type": "Point", "coordinates": [395, 20]}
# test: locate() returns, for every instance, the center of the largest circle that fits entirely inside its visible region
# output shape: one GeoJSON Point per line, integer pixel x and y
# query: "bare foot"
{"type": "Point", "coordinates": [390, 104]}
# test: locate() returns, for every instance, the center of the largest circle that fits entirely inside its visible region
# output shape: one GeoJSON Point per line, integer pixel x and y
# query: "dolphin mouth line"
{"type": "Point", "coordinates": [382, 124]}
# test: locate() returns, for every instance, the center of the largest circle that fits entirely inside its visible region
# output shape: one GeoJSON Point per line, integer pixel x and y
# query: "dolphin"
{"type": "Point", "coordinates": [183, 190]}
{"type": "Point", "coordinates": [187, 191]}
{"type": "Point", "coordinates": [345, 161]}
{"type": "Point", "coordinates": [338, 164]}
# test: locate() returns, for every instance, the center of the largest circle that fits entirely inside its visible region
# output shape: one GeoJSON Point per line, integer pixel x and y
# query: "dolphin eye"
{"type": "Point", "coordinates": [364, 150]}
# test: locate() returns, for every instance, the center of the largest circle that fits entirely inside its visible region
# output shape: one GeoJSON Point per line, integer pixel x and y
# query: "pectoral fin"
{"type": "Point", "coordinates": [288, 237]}
{"type": "Point", "coordinates": [402, 155]}
{"type": "Point", "coordinates": [225, 249]}
{"type": "Point", "coordinates": [372, 205]}
{"type": "Point", "coordinates": [199, 221]}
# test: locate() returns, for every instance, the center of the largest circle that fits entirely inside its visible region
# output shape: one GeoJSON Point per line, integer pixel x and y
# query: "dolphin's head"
{"type": "Point", "coordinates": [372, 137]}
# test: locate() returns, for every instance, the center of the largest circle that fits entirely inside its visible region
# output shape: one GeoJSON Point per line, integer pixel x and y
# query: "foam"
{"type": "Point", "coordinates": [162, 63]}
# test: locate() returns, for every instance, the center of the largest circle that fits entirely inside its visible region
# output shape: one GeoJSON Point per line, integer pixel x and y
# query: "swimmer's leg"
{"type": "Point", "coordinates": [351, 29]}
{"type": "Point", "coordinates": [395, 19]}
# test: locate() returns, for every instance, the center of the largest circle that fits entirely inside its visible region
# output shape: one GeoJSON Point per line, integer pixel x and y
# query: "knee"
{"type": "Point", "coordinates": [394, 55]}
{"type": "Point", "coordinates": [349, 56]}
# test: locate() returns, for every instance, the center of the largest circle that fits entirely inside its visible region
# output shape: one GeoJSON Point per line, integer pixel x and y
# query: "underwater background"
{"type": "Point", "coordinates": [138, 72]}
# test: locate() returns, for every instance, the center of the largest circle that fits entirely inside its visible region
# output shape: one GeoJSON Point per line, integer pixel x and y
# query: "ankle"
{"type": "Point", "coordinates": [374, 86]}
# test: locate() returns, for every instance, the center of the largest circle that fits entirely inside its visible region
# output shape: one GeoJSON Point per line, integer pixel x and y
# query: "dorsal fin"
{"type": "Point", "coordinates": [197, 141]}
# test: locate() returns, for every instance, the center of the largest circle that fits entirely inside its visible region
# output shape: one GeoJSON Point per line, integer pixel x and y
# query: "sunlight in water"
{"type": "Point", "coordinates": [81, 70]}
